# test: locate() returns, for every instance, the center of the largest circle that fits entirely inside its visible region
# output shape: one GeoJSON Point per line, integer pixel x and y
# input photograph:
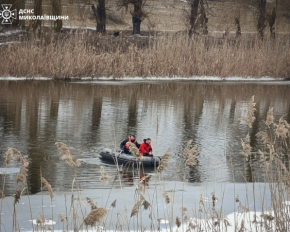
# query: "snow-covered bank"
{"type": "Point", "coordinates": [194, 78]}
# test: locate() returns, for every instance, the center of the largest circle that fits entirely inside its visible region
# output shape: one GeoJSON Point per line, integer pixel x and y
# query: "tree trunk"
{"type": "Point", "coordinates": [261, 20]}
{"type": "Point", "coordinates": [37, 11]}
{"type": "Point", "coordinates": [238, 24]}
{"type": "Point", "coordinates": [57, 11]}
{"type": "Point", "coordinates": [137, 17]}
{"type": "Point", "coordinates": [193, 16]}
{"type": "Point", "coordinates": [272, 20]}
{"type": "Point", "coordinates": [203, 19]}
{"type": "Point", "coordinates": [100, 14]}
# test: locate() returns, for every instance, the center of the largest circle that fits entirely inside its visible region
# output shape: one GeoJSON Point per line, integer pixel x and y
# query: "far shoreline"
{"type": "Point", "coordinates": [148, 79]}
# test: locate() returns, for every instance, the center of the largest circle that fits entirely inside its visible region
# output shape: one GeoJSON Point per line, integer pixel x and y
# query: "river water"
{"type": "Point", "coordinates": [89, 116]}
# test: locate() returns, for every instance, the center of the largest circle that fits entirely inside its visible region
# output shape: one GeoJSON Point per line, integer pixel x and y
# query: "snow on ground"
{"type": "Point", "coordinates": [176, 78]}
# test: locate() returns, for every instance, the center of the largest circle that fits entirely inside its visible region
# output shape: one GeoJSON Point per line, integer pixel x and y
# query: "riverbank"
{"type": "Point", "coordinates": [85, 55]}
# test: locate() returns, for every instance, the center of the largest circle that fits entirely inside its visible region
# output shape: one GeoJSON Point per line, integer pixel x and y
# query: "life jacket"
{"type": "Point", "coordinates": [144, 148]}
{"type": "Point", "coordinates": [130, 141]}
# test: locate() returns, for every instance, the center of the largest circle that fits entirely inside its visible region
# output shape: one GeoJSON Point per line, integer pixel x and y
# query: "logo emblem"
{"type": "Point", "coordinates": [7, 14]}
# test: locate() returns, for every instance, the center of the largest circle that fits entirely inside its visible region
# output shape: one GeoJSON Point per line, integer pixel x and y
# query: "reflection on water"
{"type": "Point", "coordinates": [91, 116]}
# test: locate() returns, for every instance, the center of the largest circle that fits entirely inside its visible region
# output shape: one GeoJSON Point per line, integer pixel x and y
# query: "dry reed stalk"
{"type": "Point", "coordinates": [136, 207]}
{"type": "Point", "coordinates": [178, 222]}
{"type": "Point", "coordinates": [189, 153]}
{"type": "Point", "coordinates": [249, 117]}
{"type": "Point", "coordinates": [41, 219]}
{"type": "Point", "coordinates": [66, 155]}
{"type": "Point", "coordinates": [61, 217]}
{"type": "Point", "coordinates": [270, 117]}
{"type": "Point", "coordinates": [11, 154]}
{"type": "Point", "coordinates": [96, 215]}
{"type": "Point", "coordinates": [143, 183]}
{"type": "Point", "coordinates": [47, 186]}
{"type": "Point", "coordinates": [166, 197]}
{"type": "Point", "coordinates": [146, 204]}
{"type": "Point", "coordinates": [135, 151]}
{"type": "Point", "coordinates": [92, 203]}
{"type": "Point", "coordinates": [163, 57]}
{"type": "Point", "coordinates": [264, 137]}
{"type": "Point", "coordinates": [104, 175]}
{"type": "Point", "coordinates": [1, 194]}
{"type": "Point", "coordinates": [114, 203]}
{"type": "Point", "coordinates": [17, 195]}
{"type": "Point", "coordinates": [246, 151]}
{"type": "Point", "coordinates": [163, 163]}
{"type": "Point", "coordinates": [281, 129]}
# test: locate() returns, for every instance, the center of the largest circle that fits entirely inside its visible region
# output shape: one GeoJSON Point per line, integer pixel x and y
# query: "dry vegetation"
{"type": "Point", "coordinates": [82, 54]}
{"type": "Point", "coordinates": [273, 156]}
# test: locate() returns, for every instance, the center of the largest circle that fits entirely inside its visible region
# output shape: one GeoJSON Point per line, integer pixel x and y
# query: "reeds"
{"type": "Point", "coordinates": [163, 163]}
{"type": "Point", "coordinates": [66, 155]}
{"type": "Point", "coordinates": [86, 55]}
{"type": "Point", "coordinates": [47, 186]}
{"type": "Point", "coordinates": [189, 153]}
{"type": "Point", "coordinates": [135, 151]}
{"type": "Point", "coordinates": [96, 215]}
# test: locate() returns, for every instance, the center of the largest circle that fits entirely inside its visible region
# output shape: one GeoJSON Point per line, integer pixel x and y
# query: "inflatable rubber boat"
{"type": "Point", "coordinates": [126, 159]}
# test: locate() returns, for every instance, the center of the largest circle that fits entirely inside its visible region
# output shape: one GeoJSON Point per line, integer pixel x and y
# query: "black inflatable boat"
{"type": "Point", "coordinates": [122, 158]}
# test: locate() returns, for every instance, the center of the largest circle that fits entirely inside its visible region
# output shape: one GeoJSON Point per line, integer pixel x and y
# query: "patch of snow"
{"type": "Point", "coordinates": [12, 42]}
{"type": "Point", "coordinates": [46, 223]}
{"type": "Point", "coordinates": [152, 78]}
{"type": "Point", "coordinates": [11, 32]}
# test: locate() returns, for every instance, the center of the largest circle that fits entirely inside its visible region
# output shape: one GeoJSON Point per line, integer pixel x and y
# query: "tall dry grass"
{"type": "Point", "coordinates": [273, 155]}
{"type": "Point", "coordinates": [86, 55]}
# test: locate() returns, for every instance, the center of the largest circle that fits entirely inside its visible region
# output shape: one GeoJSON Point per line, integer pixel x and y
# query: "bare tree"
{"type": "Point", "coordinates": [261, 18]}
{"type": "Point", "coordinates": [57, 11]}
{"type": "Point", "coordinates": [193, 15]}
{"type": "Point", "coordinates": [271, 18]}
{"type": "Point", "coordinates": [37, 11]}
{"type": "Point", "coordinates": [138, 13]}
{"type": "Point", "coordinates": [197, 17]}
{"type": "Point", "coordinates": [100, 15]}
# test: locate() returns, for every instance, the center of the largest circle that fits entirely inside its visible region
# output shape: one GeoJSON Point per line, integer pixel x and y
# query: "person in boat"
{"type": "Point", "coordinates": [125, 147]}
{"type": "Point", "coordinates": [145, 148]}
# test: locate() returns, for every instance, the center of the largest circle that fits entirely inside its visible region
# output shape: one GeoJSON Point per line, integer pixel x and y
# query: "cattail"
{"type": "Point", "coordinates": [136, 207]}
{"type": "Point", "coordinates": [47, 186]}
{"type": "Point", "coordinates": [114, 203]}
{"type": "Point", "coordinates": [96, 215]}
{"type": "Point", "coordinates": [92, 203]}
{"type": "Point", "coordinates": [178, 222]}
{"type": "Point", "coordinates": [166, 197]}
{"type": "Point", "coordinates": [104, 175]}
{"type": "Point", "coordinates": [270, 117]}
{"type": "Point", "coordinates": [163, 163]}
{"type": "Point", "coordinates": [1, 194]}
{"type": "Point", "coordinates": [249, 118]}
{"type": "Point", "coordinates": [10, 154]}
